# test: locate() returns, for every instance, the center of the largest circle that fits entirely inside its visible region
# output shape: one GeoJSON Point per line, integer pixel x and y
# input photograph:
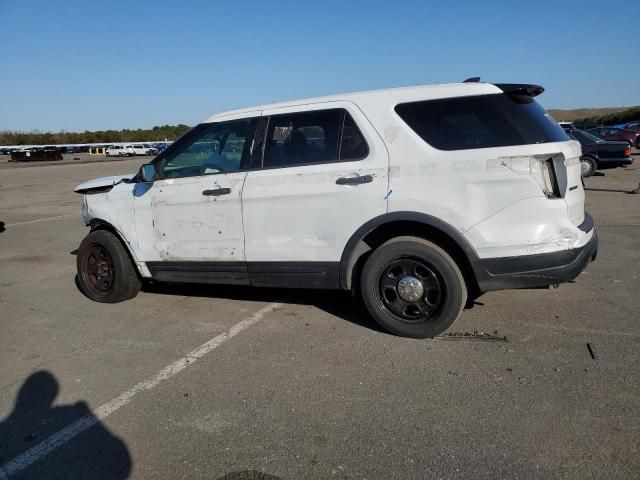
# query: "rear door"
{"type": "Point", "coordinates": [322, 173]}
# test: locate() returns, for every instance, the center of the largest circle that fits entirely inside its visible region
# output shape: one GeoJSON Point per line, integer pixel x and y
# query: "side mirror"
{"type": "Point", "coordinates": [147, 173]}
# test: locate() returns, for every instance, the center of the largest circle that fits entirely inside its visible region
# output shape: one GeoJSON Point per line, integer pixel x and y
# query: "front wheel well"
{"type": "Point", "coordinates": [98, 224]}
{"type": "Point", "coordinates": [402, 228]}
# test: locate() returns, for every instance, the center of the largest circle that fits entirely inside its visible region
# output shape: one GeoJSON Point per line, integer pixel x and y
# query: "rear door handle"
{"type": "Point", "coordinates": [355, 180]}
{"type": "Point", "coordinates": [216, 192]}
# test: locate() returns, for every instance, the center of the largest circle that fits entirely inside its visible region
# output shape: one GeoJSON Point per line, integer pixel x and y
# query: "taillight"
{"type": "Point", "coordinates": [540, 167]}
{"type": "Point", "coordinates": [627, 152]}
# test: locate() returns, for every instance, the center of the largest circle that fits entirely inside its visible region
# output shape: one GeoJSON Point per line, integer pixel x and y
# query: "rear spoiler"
{"type": "Point", "coordinates": [518, 89]}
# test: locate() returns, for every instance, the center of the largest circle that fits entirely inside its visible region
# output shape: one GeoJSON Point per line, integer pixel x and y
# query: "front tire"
{"type": "Point", "coordinates": [106, 273]}
{"type": "Point", "coordinates": [413, 288]}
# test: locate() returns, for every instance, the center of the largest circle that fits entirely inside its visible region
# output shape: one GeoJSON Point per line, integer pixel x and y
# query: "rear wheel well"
{"type": "Point", "coordinates": [591, 156]}
{"type": "Point", "coordinates": [401, 228]}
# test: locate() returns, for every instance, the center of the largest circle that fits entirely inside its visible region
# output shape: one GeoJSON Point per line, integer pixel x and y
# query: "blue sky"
{"type": "Point", "coordinates": [75, 65]}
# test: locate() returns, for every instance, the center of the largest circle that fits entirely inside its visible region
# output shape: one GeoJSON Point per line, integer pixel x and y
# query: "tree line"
{"type": "Point", "coordinates": [629, 115]}
{"type": "Point", "coordinates": [157, 133]}
{"type": "Point", "coordinates": [172, 132]}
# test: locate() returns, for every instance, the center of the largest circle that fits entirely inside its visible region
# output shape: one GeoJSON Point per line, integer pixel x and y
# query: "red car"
{"type": "Point", "coordinates": [615, 133]}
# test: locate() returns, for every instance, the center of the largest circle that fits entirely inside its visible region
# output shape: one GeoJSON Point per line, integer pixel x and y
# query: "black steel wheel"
{"type": "Point", "coordinates": [412, 287]}
{"type": "Point", "coordinates": [105, 271]}
{"type": "Point", "coordinates": [99, 269]}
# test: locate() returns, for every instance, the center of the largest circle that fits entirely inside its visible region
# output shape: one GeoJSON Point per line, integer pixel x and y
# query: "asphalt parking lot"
{"type": "Point", "coordinates": [210, 382]}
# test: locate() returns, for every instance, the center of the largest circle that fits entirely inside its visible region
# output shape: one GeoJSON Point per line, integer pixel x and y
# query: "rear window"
{"type": "Point", "coordinates": [482, 121]}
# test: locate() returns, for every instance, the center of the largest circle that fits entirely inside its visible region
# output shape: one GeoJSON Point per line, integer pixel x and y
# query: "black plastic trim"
{"type": "Point", "coordinates": [530, 271]}
{"type": "Point", "coordinates": [323, 275]}
{"type": "Point", "coordinates": [587, 225]}
{"type": "Point", "coordinates": [230, 273]}
{"type": "Point", "coordinates": [346, 265]}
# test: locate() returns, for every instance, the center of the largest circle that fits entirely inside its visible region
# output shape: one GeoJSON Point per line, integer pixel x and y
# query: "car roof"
{"type": "Point", "coordinates": [398, 95]}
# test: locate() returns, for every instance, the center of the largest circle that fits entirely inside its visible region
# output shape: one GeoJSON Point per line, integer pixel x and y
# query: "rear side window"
{"type": "Point", "coordinates": [321, 136]}
{"type": "Point", "coordinates": [482, 121]}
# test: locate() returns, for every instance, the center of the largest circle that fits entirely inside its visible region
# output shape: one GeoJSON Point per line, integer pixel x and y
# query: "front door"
{"type": "Point", "coordinates": [189, 221]}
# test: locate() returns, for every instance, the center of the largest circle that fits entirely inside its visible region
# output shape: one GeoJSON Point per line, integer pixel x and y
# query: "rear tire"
{"type": "Point", "coordinates": [106, 273]}
{"type": "Point", "coordinates": [588, 166]}
{"type": "Point", "coordinates": [413, 288]}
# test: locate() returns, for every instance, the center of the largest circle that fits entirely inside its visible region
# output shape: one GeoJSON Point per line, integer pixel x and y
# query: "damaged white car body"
{"type": "Point", "coordinates": [415, 198]}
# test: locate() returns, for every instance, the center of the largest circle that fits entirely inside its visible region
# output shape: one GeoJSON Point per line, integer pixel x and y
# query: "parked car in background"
{"type": "Point", "coordinates": [633, 126]}
{"type": "Point", "coordinates": [598, 153]}
{"type": "Point", "coordinates": [139, 149]}
{"type": "Point", "coordinates": [616, 133]}
{"type": "Point", "coordinates": [119, 151]}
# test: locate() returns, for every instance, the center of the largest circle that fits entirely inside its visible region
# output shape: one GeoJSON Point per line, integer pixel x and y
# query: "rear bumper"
{"type": "Point", "coordinates": [615, 161]}
{"type": "Point", "coordinates": [540, 270]}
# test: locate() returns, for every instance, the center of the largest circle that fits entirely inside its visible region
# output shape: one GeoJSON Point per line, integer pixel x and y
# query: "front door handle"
{"type": "Point", "coordinates": [355, 180]}
{"type": "Point", "coordinates": [216, 192]}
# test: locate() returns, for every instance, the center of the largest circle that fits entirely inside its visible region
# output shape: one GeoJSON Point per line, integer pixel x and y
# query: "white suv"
{"type": "Point", "coordinates": [139, 149]}
{"type": "Point", "coordinates": [418, 199]}
{"type": "Point", "coordinates": [119, 151]}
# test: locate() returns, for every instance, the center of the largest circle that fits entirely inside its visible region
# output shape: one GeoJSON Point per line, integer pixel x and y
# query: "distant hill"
{"type": "Point", "coordinates": [580, 113]}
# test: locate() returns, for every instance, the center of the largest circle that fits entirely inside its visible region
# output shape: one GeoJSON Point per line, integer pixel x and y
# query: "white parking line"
{"type": "Point", "coordinates": [58, 439]}
{"type": "Point", "coordinates": [42, 219]}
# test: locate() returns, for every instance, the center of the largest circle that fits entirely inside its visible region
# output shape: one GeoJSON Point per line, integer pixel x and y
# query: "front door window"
{"type": "Point", "coordinates": [208, 149]}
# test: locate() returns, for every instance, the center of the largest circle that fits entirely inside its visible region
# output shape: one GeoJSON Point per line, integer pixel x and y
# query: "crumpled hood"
{"type": "Point", "coordinates": [102, 183]}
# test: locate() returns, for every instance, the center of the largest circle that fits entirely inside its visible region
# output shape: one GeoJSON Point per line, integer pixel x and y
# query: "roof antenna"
{"type": "Point", "coordinates": [472, 80]}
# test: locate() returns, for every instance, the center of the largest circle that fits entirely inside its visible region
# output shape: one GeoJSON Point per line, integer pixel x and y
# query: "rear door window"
{"type": "Point", "coordinates": [482, 121]}
{"type": "Point", "coordinates": [320, 136]}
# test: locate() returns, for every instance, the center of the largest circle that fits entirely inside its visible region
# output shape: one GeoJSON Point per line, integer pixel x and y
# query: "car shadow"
{"type": "Point", "coordinates": [589, 189]}
{"type": "Point", "coordinates": [248, 475]}
{"type": "Point", "coordinates": [2, 227]}
{"type": "Point", "coordinates": [338, 303]}
{"type": "Point", "coordinates": [33, 446]}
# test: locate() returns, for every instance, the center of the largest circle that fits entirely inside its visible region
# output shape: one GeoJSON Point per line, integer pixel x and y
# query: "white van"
{"type": "Point", "coordinates": [417, 199]}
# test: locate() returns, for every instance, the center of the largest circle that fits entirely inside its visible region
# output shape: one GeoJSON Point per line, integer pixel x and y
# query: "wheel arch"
{"type": "Point", "coordinates": [593, 156]}
{"type": "Point", "coordinates": [100, 224]}
{"type": "Point", "coordinates": [384, 227]}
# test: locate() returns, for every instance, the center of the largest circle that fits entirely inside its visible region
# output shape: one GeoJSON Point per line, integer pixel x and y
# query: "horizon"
{"type": "Point", "coordinates": [180, 65]}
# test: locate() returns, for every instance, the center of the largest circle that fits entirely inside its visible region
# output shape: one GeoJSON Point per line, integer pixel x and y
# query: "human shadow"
{"type": "Point", "coordinates": [338, 303]}
{"type": "Point", "coordinates": [83, 447]}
